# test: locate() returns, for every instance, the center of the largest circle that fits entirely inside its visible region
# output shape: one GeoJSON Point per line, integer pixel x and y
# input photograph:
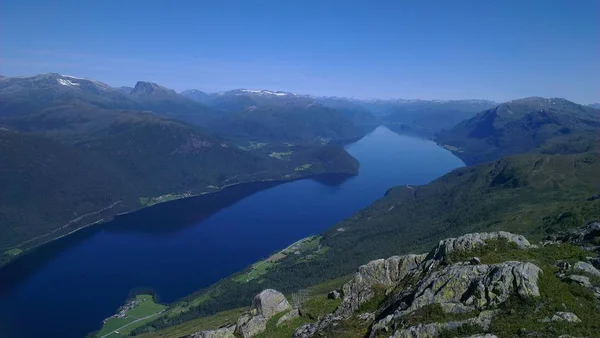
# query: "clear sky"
{"type": "Point", "coordinates": [445, 49]}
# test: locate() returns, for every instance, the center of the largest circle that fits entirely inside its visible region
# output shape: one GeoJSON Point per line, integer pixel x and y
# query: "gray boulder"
{"type": "Point", "coordinates": [586, 268]}
{"type": "Point", "coordinates": [264, 306]}
{"type": "Point", "coordinates": [565, 317]}
{"type": "Point", "coordinates": [270, 302]}
{"type": "Point", "coordinates": [225, 332]}
{"type": "Point", "coordinates": [581, 280]}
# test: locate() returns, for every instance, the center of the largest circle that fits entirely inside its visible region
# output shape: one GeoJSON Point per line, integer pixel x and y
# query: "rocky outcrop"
{"type": "Point", "coordinates": [565, 317]}
{"type": "Point", "coordinates": [411, 282]}
{"type": "Point", "coordinates": [225, 332]}
{"type": "Point", "coordinates": [586, 268]}
{"type": "Point", "coordinates": [387, 273]}
{"type": "Point", "coordinates": [461, 289]}
{"type": "Point", "coordinates": [264, 306]}
{"type": "Point", "coordinates": [578, 236]}
{"type": "Point", "coordinates": [471, 241]}
{"type": "Point", "coordinates": [464, 288]}
{"type": "Point", "coordinates": [432, 330]}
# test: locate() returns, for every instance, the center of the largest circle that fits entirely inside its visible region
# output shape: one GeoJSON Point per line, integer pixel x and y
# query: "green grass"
{"type": "Point", "coordinates": [215, 321]}
{"type": "Point", "coordinates": [253, 146]}
{"type": "Point", "coordinates": [13, 252]}
{"type": "Point", "coordinates": [286, 155]}
{"type": "Point", "coordinates": [257, 270]}
{"type": "Point", "coordinates": [114, 327]}
{"type": "Point", "coordinates": [149, 201]}
{"type": "Point", "coordinates": [303, 167]}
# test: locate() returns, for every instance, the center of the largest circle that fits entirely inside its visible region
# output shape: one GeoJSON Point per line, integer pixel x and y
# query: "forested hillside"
{"type": "Point", "coordinates": [532, 124]}
{"type": "Point", "coordinates": [533, 194]}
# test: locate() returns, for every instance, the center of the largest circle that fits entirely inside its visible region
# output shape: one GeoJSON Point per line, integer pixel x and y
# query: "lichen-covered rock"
{"type": "Point", "coordinates": [471, 241]}
{"type": "Point", "coordinates": [250, 326]}
{"type": "Point", "coordinates": [288, 316]}
{"type": "Point", "coordinates": [225, 332]}
{"type": "Point", "coordinates": [586, 268]}
{"type": "Point", "coordinates": [581, 280]}
{"type": "Point", "coordinates": [264, 306]}
{"type": "Point", "coordinates": [581, 235]}
{"type": "Point", "coordinates": [270, 302]}
{"type": "Point", "coordinates": [432, 330]}
{"type": "Point", "coordinates": [463, 288]}
{"type": "Point", "coordinates": [305, 331]}
{"type": "Point", "coordinates": [310, 330]}
{"type": "Point", "coordinates": [383, 273]}
{"type": "Point", "coordinates": [566, 317]}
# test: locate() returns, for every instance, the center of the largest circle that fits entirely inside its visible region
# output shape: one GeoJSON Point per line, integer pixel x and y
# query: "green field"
{"type": "Point", "coordinates": [286, 155]}
{"type": "Point", "coordinates": [148, 201]}
{"type": "Point", "coordinates": [303, 167]}
{"type": "Point", "coordinates": [253, 146]}
{"type": "Point", "coordinates": [144, 311]}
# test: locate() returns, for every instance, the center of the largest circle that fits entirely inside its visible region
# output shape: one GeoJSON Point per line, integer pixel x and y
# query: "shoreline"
{"type": "Point", "coordinates": [28, 251]}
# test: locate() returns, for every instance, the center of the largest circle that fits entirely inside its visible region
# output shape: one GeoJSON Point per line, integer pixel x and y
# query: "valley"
{"type": "Point", "coordinates": [224, 181]}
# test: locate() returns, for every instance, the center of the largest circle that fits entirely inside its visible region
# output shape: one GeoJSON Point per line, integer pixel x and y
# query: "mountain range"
{"type": "Point", "coordinates": [531, 124]}
{"type": "Point", "coordinates": [77, 151]}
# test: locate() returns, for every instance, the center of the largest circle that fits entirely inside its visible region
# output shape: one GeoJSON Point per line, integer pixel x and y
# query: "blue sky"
{"type": "Point", "coordinates": [499, 50]}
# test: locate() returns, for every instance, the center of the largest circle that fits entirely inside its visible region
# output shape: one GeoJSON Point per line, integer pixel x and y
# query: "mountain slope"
{"type": "Point", "coordinates": [124, 164]}
{"type": "Point", "coordinates": [533, 194]}
{"type": "Point", "coordinates": [490, 284]}
{"type": "Point", "coordinates": [530, 124]}
{"type": "Point", "coordinates": [278, 117]}
{"type": "Point", "coordinates": [428, 117]}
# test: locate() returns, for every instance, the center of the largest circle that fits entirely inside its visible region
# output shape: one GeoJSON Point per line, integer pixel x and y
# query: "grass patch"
{"type": "Point", "coordinates": [303, 167]}
{"type": "Point", "coordinates": [497, 251]}
{"type": "Point", "coordinates": [253, 146]}
{"type": "Point", "coordinates": [13, 252]}
{"type": "Point", "coordinates": [434, 313]}
{"type": "Point", "coordinates": [133, 314]}
{"type": "Point", "coordinates": [285, 155]}
{"type": "Point", "coordinates": [520, 315]}
{"type": "Point", "coordinates": [148, 201]}
{"type": "Point", "coordinates": [257, 270]}
{"type": "Point", "coordinates": [215, 321]}
{"type": "Point", "coordinates": [318, 306]}
{"type": "Point", "coordinates": [374, 303]}
{"type": "Point", "coordinates": [330, 285]}
{"type": "Point", "coordinates": [452, 148]}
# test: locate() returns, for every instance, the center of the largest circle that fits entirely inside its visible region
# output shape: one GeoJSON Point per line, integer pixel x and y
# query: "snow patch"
{"type": "Point", "coordinates": [266, 92]}
{"type": "Point", "coordinates": [67, 83]}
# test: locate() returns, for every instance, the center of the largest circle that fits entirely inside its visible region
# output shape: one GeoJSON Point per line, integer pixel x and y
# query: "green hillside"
{"type": "Point", "coordinates": [533, 194]}
{"type": "Point", "coordinates": [532, 124]}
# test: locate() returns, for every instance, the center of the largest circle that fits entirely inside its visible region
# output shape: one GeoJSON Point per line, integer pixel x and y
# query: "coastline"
{"type": "Point", "coordinates": [104, 220]}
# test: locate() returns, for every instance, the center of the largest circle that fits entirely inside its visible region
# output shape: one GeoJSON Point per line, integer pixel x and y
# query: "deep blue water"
{"type": "Point", "coordinates": [67, 287]}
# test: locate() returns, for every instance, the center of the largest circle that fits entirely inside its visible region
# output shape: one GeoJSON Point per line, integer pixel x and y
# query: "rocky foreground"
{"type": "Point", "coordinates": [476, 285]}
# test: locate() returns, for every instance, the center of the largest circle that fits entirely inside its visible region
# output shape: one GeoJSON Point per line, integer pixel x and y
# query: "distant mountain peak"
{"type": "Point", "coordinates": [150, 88]}
{"type": "Point", "coordinates": [263, 92]}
